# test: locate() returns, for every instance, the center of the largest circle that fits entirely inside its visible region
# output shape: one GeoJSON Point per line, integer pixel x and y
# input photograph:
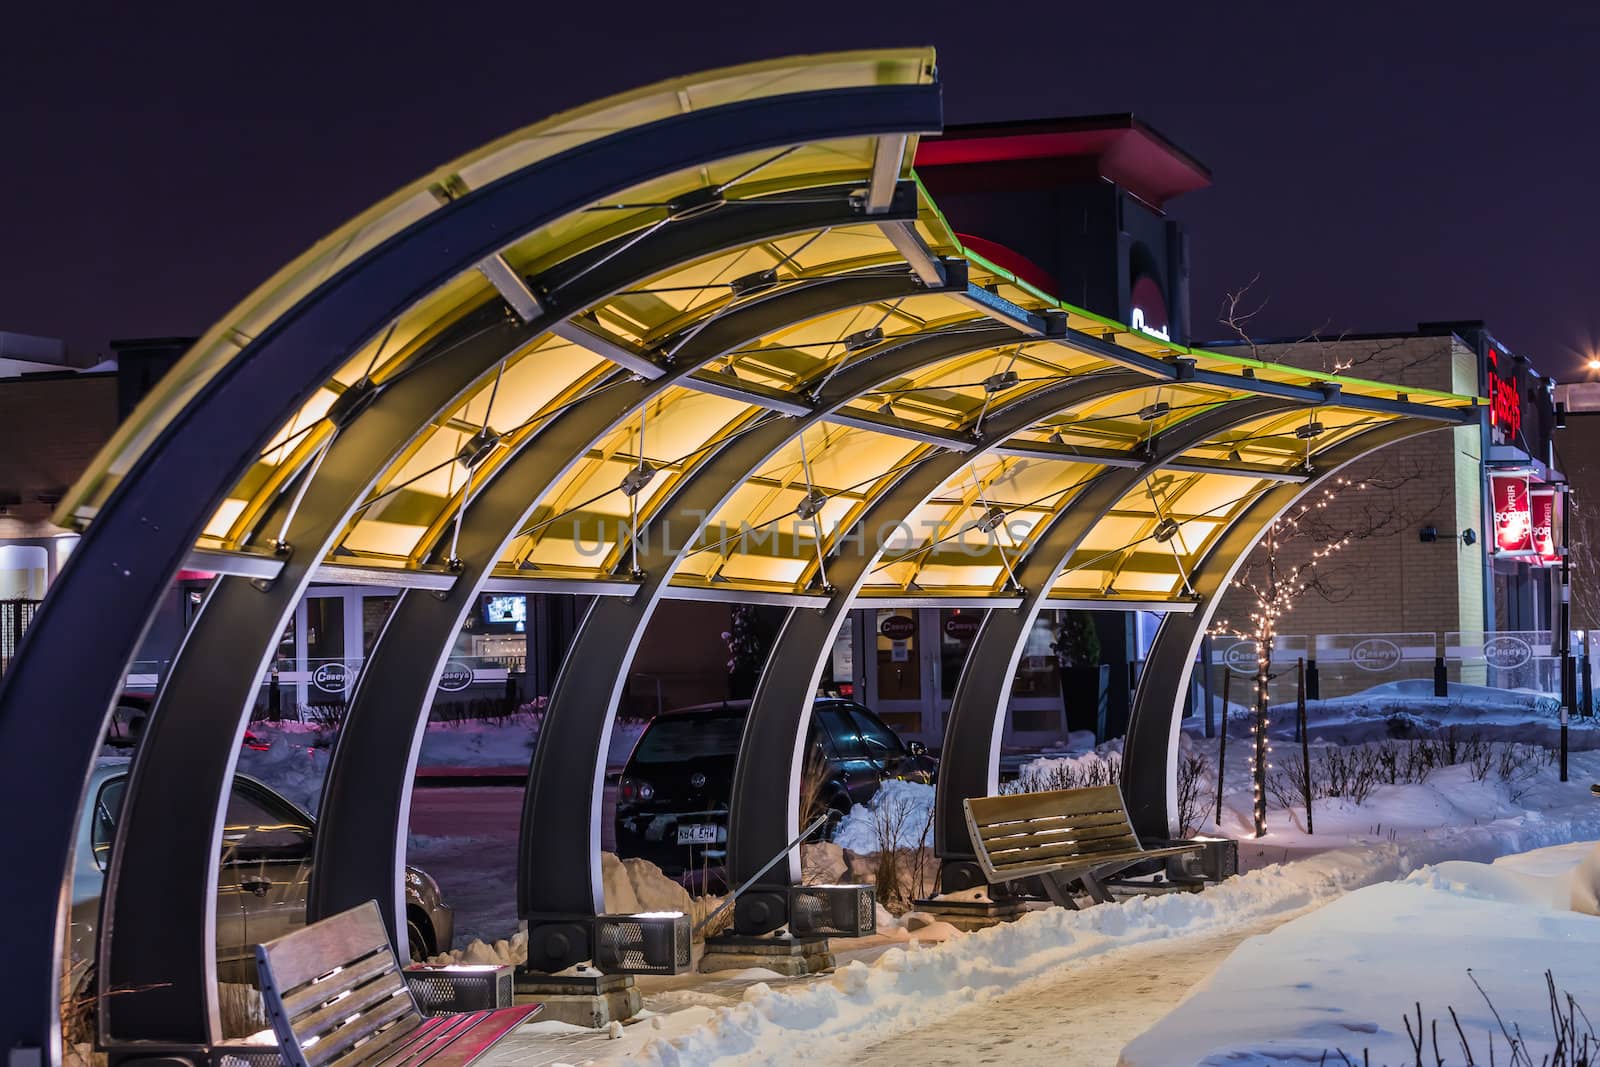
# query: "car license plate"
{"type": "Point", "coordinates": [697, 833]}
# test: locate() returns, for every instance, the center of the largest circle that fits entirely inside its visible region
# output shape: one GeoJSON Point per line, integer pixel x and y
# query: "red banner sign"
{"type": "Point", "coordinates": [1513, 522]}
{"type": "Point", "coordinates": [1543, 520]}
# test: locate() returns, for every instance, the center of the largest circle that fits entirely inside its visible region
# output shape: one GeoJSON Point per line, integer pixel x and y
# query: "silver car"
{"type": "Point", "coordinates": [261, 886]}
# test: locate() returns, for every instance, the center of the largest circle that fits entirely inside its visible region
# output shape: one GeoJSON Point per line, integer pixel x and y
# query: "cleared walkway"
{"type": "Point", "coordinates": [1082, 1014]}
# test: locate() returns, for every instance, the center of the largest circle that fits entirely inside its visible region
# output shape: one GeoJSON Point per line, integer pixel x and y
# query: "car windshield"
{"type": "Point", "coordinates": [672, 739]}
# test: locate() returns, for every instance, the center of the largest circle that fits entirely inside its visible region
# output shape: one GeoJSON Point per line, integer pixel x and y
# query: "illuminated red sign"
{"type": "Point", "coordinates": [1505, 402]}
{"type": "Point", "coordinates": [1513, 522]}
{"type": "Point", "coordinates": [1542, 522]}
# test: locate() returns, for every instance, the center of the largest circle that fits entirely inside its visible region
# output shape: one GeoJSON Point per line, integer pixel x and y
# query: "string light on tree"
{"type": "Point", "coordinates": [1271, 600]}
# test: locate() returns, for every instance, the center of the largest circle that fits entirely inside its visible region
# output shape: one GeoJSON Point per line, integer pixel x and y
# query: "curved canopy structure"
{"type": "Point", "coordinates": [708, 339]}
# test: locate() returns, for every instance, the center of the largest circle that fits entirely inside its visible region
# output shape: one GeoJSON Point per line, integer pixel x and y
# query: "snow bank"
{"type": "Point", "coordinates": [631, 885]}
{"type": "Point", "coordinates": [909, 987]}
{"type": "Point", "coordinates": [904, 807]}
{"type": "Point", "coordinates": [1342, 977]}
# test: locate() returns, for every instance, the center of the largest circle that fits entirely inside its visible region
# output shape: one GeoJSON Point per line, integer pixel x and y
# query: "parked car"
{"type": "Point", "coordinates": [261, 887]}
{"type": "Point", "coordinates": [672, 799]}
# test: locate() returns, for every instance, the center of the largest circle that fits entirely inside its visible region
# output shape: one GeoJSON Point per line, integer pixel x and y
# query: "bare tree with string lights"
{"type": "Point", "coordinates": [1296, 555]}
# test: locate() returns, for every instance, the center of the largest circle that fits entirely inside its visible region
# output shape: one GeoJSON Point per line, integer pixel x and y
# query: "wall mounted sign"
{"type": "Point", "coordinates": [962, 627]}
{"type": "Point", "coordinates": [1375, 654]}
{"type": "Point", "coordinates": [1147, 311]}
{"type": "Point", "coordinates": [1506, 653]}
{"type": "Point", "coordinates": [1505, 402]}
{"type": "Point", "coordinates": [455, 677]}
{"type": "Point", "coordinates": [1241, 657]}
{"type": "Point", "coordinates": [331, 678]}
{"type": "Point", "coordinates": [897, 627]}
{"type": "Point", "coordinates": [1513, 522]}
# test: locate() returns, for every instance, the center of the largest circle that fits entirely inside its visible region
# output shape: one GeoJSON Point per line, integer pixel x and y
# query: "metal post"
{"type": "Point", "coordinates": [1205, 673]}
{"type": "Point", "coordinates": [1313, 681]}
{"type": "Point", "coordinates": [1565, 633]}
{"type": "Point", "coordinates": [1222, 745]}
{"type": "Point", "coordinates": [1301, 727]}
{"type": "Point", "coordinates": [1587, 707]}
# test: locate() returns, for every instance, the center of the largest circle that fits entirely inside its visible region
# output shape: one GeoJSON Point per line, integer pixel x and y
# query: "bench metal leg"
{"type": "Point", "coordinates": [1059, 890]}
{"type": "Point", "coordinates": [1097, 891]}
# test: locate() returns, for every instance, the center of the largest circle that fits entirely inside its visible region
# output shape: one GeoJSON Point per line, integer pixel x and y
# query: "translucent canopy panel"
{"type": "Point", "coordinates": [792, 340]}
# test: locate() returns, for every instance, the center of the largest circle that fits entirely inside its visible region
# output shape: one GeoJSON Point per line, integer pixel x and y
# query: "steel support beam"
{"type": "Point", "coordinates": [366, 798]}
{"type": "Point", "coordinates": [969, 764]}
{"type": "Point", "coordinates": [1150, 752]}
{"type": "Point", "coordinates": [139, 537]}
{"type": "Point", "coordinates": [763, 819]}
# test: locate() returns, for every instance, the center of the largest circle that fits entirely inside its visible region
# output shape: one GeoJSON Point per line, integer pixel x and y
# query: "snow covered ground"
{"type": "Point", "coordinates": [1343, 977]}
{"type": "Point", "coordinates": [912, 987]}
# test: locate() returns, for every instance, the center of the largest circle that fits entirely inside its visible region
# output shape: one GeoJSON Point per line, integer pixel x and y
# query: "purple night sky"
{"type": "Point", "coordinates": [1376, 164]}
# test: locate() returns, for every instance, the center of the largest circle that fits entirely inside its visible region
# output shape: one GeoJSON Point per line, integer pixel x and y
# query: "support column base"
{"type": "Point", "coordinates": [592, 1000]}
{"type": "Point", "coordinates": [788, 956]}
{"type": "Point", "coordinates": [972, 914]}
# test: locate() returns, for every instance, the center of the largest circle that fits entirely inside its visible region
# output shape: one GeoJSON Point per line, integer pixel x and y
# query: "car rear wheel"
{"type": "Point", "coordinates": [419, 939]}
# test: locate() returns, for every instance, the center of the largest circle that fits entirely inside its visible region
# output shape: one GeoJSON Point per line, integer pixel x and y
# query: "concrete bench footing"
{"type": "Point", "coordinates": [592, 1000]}
{"type": "Point", "coordinates": [788, 956]}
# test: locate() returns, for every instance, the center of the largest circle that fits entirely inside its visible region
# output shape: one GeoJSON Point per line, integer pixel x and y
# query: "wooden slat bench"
{"type": "Point", "coordinates": [337, 998]}
{"type": "Point", "coordinates": [1062, 836]}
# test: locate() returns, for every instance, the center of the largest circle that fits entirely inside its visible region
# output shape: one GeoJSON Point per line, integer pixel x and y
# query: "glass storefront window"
{"type": "Point", "coordinates": [375, 612]}
{"type": "Point", "coordinates": [324, 628]}
{"type": "Point", "coordinates": [1036, 670]}
{"type": "Point", "coordinates": [839, 675]}
{"type": "Point", "coordinates": [958, 628]}
{"type": "Point", "coordinates": [899, 673]}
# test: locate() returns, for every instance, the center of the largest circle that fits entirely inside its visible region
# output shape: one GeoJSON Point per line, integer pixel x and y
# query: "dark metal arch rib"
{"type": "Point", "coordinates": [165, 873]}
{"type": "Point", "coordinates": [146, 527]}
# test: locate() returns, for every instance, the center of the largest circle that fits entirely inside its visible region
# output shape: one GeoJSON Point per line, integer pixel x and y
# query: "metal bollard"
{"type": "Point", "coordinates": [1441, 678]}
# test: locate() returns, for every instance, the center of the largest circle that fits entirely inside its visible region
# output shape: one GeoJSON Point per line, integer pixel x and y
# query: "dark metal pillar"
{"type": "Point", "coordinates": [762, 819]}
{"type": "Point", "coordinates": [1149, 755]}
{"type": "Point", "coordinates": [969, 765]}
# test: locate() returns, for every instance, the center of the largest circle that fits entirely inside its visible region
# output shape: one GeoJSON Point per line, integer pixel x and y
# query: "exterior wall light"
{"type": "Point", "coordinates": [444, 988]}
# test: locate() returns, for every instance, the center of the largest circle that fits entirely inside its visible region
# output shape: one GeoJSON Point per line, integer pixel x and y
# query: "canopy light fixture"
{"type": "Point", "coordinates": [991, 519]}
{"type": "Point", "coordinates": [1166, 530]}
{"type": "Point", "coordinates": [478, 448]}
{"type": "Point", "coordinates": [813, 503]}
{"type": "Point", "coordinates": [752, 284]}
{"type": "Point", "coordinates": [654, 942]}
{"type": "Point", "coordinates": [637, 478]}
{"type": "Point", "coordinates": [1310, 430]}
{"type": "Point", "coordinates": [994, 383]}
{"type": "Point", "coordinates": [352, 402]}
{"type": "Point", "coordinates": [863, 339]}
{"type": "Point", "coordinates": [1152, 412]}
{"type": "Point", "coordinates": [693, 204]}
{"type": "Point", "coordinates": [833, 910]}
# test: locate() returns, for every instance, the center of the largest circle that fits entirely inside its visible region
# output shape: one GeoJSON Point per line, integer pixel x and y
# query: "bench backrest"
{"type": "Point", "coordinates": [1026, 833]}
{"type": "Point", "coordinates": [334, 991]}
